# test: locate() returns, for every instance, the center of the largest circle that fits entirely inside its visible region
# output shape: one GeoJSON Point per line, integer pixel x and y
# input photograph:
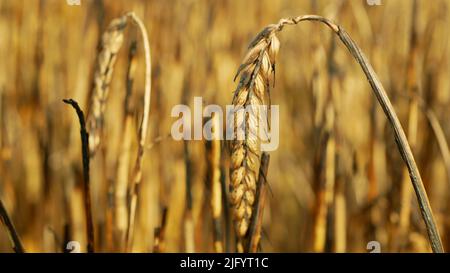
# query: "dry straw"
{"type": "Point", "coordinates": [255, 73]}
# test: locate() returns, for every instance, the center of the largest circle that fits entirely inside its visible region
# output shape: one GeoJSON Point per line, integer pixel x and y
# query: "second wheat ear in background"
{"type": "Point", "coordinates": [253, 89]}
{"type": "Point", "coordinates": [112, 40]}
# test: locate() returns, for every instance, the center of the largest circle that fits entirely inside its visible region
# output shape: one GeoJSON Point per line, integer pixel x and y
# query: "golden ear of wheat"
{"type": "Point", "coordinates": [251, 95]}
{"type": "Point", "coordinates": [111, 43]}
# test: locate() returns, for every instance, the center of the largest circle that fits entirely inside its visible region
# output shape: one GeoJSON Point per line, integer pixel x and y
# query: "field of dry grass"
{"type": "Point", "coordinates": [336, 182]}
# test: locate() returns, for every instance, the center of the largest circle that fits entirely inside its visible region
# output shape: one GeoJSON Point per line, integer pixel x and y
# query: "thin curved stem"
{"type": "Point", "coordinates": [440, 137]}
{"type": "Point", "coordinates": [148, 78]}
{"type": "Point", "coordinates": [86, 188]}
{"type": "Point", "coordinates": [143, 128]}
{"type": "Point", "coordinates": [386, 105]}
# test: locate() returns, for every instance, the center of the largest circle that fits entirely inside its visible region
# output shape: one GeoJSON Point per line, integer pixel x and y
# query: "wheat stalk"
{"type": "Point", "coordinates": [86, 185]}
{"type": "Point", "coordinates": [440, 137]}
{"type": "Point", "coordinates": [112, 41]}
{"type": "Point", "coordinates": [251, 93]}
{"type": "Point", "coordinates": [123, 163]}
{"type": "Point", "coordinates": [213, 157]}
{"type": "Point", "coordinates": [12, 233]}
{"type": "Point", "coordinates": [143, 128]}
{"type": "Point", "coordinates": [189, 241]}
{"type": "Point", "coordinates": [244, 152]}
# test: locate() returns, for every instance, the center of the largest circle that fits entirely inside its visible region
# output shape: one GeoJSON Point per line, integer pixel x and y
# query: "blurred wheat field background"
{"type": "Point", "coordinates": [321, 197]}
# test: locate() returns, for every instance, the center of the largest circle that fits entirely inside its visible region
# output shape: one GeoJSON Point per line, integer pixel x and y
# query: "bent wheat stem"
{"type": "Point", "coordinates": [86, 187]}
{"type": "Point", "coordinates": [143, 127]}
{"type": "Point", "coordinates": [381, 95]}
